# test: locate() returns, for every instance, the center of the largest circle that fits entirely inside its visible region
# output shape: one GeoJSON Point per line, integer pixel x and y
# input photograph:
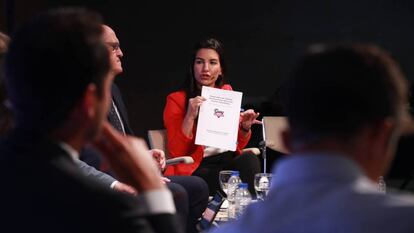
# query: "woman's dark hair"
{"type": "Point", "coordinates": [190, 86]}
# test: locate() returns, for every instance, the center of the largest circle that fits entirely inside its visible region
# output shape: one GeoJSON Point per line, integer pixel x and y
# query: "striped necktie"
{"type": "Point", "coordinates": [115, 119]}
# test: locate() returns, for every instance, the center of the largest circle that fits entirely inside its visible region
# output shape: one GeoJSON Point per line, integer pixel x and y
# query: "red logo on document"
{"type": "Point", "coordinates": [218, 113]}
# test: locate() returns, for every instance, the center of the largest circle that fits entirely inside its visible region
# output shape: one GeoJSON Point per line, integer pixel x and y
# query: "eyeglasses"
{"type": "Point", "coordinates": [114, 46]}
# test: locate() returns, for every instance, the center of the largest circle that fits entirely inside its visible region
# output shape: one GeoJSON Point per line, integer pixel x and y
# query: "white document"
{"type": "Point", "coordinates": [218, 118]}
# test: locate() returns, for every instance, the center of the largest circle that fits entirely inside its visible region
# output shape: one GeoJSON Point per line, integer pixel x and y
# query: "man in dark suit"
{"type": "Point", "coordinates": [59, 86]}
{"type": "Point", "coordinates": [190, 193]}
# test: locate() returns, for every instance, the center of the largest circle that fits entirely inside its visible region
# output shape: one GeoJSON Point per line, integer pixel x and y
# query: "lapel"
{"type": "Point", "coordinates": [119, 103]}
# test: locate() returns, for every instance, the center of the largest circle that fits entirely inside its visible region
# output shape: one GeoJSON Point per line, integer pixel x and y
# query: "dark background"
{"type": "Point", "coordinates": [262, 40]}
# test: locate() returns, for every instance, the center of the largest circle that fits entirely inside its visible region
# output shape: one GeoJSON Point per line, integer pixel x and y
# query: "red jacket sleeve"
{"type": "Point", "coordinates": [174, 112]}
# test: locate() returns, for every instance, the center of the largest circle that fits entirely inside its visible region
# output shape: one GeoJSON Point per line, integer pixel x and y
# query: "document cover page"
{"type": "Point", "coordinates": [218, 119]}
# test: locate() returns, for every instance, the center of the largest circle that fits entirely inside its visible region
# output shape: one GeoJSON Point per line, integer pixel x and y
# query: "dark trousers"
{"type": "Point", "coordinates": [247, 164]}
{"type": "Point", "coordinates": [190, 197]}
{"type": "Point", "coordinates": [180, 197]}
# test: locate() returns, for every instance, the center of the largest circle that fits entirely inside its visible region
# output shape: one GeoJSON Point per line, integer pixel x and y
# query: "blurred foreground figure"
{"type": "Point", "coordinates": [59, 86]}
{"type": "Point", "coordinates": [346, 107]}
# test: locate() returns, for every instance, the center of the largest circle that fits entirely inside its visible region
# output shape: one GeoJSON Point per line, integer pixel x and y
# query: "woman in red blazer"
{"type": "Point", "coordinates": [180, 119]}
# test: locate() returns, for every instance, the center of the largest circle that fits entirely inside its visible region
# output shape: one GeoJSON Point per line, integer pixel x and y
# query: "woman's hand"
{"type": "Point", "coordinates": [194, 106]}
{"type": "Point", "coordinates": [247, 119]}
{"type": "Point", "coordinates": [192, 113]}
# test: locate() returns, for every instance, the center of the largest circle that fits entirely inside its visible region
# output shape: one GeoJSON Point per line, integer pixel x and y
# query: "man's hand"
{"type": "Point", "coordinates": [124, 188]}
{"type": "Point", "coordinates": [129, 158]}
{"type": "Point", "coordinates": [159, 157]}
{"type": "Point", "coordinates": [165, 180]}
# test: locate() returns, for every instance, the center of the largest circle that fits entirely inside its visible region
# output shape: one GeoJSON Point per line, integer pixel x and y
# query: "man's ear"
{"type": "Point", "coordinates": [89, 101]}
{"type": "Point", "coordinates": [378, 147]}
{"type": "Point", "coordinates": [384, 134]}
{"type": "Point", "coordinates": [286, 140]}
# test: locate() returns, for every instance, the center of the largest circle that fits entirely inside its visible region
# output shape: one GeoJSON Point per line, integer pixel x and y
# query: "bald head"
{"type": "Point", "coordinates": [112, 42]}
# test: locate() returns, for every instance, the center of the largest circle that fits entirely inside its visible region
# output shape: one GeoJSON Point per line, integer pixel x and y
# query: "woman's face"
{"type": "Point", "coordinates": [207, 67]}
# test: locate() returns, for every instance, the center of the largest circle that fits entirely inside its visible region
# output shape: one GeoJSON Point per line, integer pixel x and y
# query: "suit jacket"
{"type": "Point", "coordinates": [92, 157]}
{"type": "Point", "coordinates": [44, 191]}
{"type": "Point", "coordinates": [90, 171]}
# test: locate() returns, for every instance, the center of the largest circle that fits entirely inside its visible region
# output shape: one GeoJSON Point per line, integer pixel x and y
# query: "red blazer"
{"type": "Point", "coordinates": [181, 145]}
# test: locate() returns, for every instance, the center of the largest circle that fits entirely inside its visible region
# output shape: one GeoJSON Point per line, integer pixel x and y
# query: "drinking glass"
{"type": "Point", "coordinates": [224, 177]}
{"type": "Point", "coordinates": [262, 183]}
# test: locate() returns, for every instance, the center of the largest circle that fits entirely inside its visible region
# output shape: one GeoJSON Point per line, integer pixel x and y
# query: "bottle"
{"type": "Point", "coordinates": [242, 199]}
{"type": "Point", "coordinates": [232, 186]}
{"type": "Point", "coordinates": [382, 186]}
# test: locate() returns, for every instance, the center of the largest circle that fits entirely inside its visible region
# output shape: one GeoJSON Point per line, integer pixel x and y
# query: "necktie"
{"type": "Point", "coordinates": [115, 119]}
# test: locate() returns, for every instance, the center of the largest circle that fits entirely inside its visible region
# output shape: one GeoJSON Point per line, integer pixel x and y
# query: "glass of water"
{"type": "Point", "coordinates": [262, 183]}
{"type": "Point", "coordinates": [224, 177]}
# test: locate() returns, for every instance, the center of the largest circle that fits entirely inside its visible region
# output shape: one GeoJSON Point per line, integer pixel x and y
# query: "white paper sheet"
{"type": "Point", "coordinates": [218, 119]}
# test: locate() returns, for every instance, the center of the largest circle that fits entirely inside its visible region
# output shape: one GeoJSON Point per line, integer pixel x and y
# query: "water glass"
{"type": "Point", "coordinates": [224, 177]}
{"type": "Point", "coordinates": [262, 183]}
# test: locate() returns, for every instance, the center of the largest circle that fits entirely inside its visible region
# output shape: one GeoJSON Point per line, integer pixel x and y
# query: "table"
{"type": "Point", "coordinates": [222, 215]}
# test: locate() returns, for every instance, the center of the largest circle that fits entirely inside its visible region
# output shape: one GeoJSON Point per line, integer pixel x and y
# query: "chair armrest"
{"type": "Point", "coordinates": [179, 160]}
{"type": "Point", "coordinates": [251, 150]}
